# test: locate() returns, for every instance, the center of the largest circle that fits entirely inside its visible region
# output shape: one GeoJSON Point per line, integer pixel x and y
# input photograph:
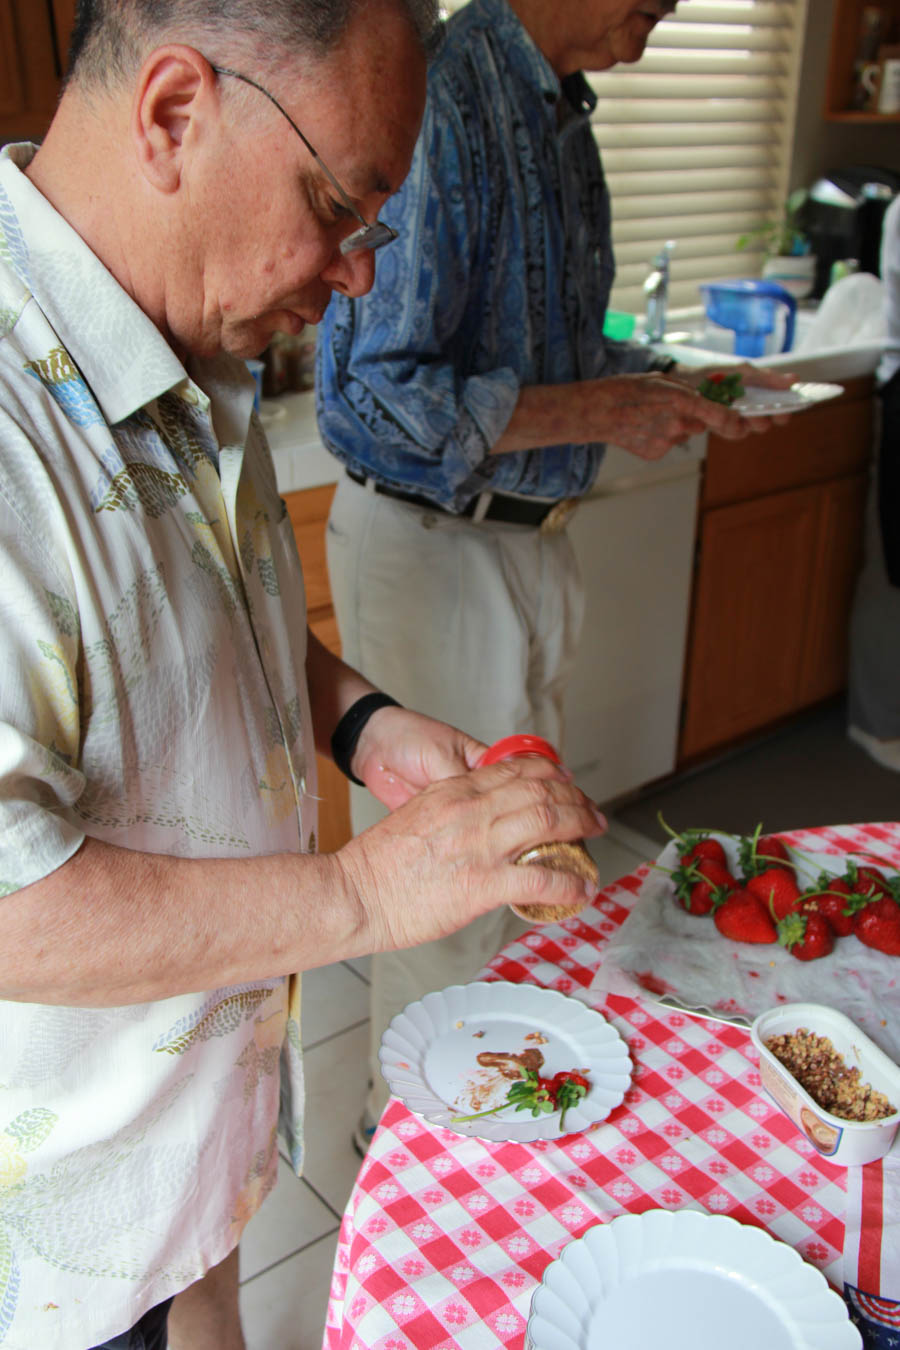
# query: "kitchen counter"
{"type": "Point", "coordinates": [301, 460]}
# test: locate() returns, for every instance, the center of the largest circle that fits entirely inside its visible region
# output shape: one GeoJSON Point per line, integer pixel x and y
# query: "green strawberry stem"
{"type": "Point", "coordinates": [802, 858]}
{"type": "Point", "coordinates": [456, 1120]}
{"type": "Point", "coordinates": [692, 835]}
{"type": "Point", "coordinates": [567, 1096]}
{"type": "Point", "coordinates": [528, 1093]}
{"type": "Point", "coordinates": [525, 1094]}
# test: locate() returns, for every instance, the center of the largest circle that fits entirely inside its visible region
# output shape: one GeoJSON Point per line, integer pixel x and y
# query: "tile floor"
{"type": "Point", "coordinates": [288, 1248]}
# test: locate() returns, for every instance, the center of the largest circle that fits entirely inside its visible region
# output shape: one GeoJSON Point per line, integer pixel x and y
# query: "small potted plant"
{"type": "Point", "coordinates": [787, 252]}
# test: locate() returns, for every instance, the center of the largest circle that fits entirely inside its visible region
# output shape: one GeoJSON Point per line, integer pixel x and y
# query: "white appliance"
{"type": "Point", "coordinates": [634, 537]}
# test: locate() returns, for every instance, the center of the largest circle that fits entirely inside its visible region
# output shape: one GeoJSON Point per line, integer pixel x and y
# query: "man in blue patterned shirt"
{"type": "Point", "coordinates": [470, 395]}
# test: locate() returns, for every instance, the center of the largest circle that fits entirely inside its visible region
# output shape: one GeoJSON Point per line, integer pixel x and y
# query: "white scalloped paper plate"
{"type": "Point", "coordinates": [759, 402]}
{"type": "Point", "coordinates": [428, 1056]}
{"type": "Point", "coordinates": [685, 1281]}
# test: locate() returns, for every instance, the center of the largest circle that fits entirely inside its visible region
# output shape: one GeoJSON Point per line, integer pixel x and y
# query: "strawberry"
{"type": "Point", "coordinates": [695, 845]}
{"type": "Point", "coordinates": [777, 890]}
{"type": "Point", "coordinates": [878, 925]}
{"type": "Point", "coordinates": [774, 852]}
{"type": "Point", "coordinates": [871, 882]}
{"type": "Point", "coordinates": [698, 884]}
{"type": "Point", "coordinates": [806, 936]}
{"type": "Point", "coordinates": [705, 848]}
{"type": "Point", "coordinates": [833, 898]}
{"type": "Point", "coordinates": [758, 852]}
{"type": "Point", "coordinates": [741, 917]}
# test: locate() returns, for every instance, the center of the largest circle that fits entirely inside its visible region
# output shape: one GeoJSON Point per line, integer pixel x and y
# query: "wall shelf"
{"type": "Point", "coordinates": [845, 34]}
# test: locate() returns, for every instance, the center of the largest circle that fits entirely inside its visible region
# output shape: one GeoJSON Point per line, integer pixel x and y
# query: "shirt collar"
{"type": "Point", "coordinates": [121, 353]}
{"type": "Point", "coordinates": [528, 59]}
{"type": "Point", "coordinates": [579, 93]}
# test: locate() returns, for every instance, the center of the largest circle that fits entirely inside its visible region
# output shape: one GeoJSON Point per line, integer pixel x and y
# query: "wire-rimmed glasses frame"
{"type": "Point", "coordinates": [368, 236]}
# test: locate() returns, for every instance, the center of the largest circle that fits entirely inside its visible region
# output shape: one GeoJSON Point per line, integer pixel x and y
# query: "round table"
{"type": "Point", "coordinates": [445, 1238]}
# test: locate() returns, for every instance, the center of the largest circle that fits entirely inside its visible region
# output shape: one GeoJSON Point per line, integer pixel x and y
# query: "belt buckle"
{"type": "Point", "coordinates": [559, 515]}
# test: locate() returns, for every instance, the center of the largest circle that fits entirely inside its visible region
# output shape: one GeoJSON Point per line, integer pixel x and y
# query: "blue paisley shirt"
{"type": "Point", "coordinates": [499, 279]}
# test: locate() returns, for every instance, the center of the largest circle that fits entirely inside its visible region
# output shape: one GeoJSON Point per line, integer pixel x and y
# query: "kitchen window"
{"type": "Point", "coordinates": [696, 140]}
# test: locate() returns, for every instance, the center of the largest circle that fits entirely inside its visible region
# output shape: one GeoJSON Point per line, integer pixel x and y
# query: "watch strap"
{"type": "Point", "coordinates": [346, 734]}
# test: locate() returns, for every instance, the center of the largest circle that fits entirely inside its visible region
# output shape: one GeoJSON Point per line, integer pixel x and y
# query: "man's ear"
{"type": "Point", "coordinates": [174, 90]}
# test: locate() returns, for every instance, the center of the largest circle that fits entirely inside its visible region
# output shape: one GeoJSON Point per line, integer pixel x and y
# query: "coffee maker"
{"type": "Point", "coordinates": [843, 217]}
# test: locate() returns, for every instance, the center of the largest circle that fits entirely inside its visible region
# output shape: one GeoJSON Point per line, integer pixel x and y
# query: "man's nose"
{"type": "Point", "coordinates": [352, 274]}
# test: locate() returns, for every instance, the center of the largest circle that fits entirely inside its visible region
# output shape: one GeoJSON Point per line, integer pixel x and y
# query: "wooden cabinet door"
{"type": "Point", "coordinates": [308, 511]}
{"type": "Point", "coordinates": [829, 440]}
{"type": "Point", "coordinates": [64, 21]}
{"type": "Point", "coordinates": [836, 569]}
{"type": "Point", "coordinates": [334, 789]}
{"type": "Point", "coordinates": [29, 69]}
{"type": "Point", "coordinates": [749, 624]}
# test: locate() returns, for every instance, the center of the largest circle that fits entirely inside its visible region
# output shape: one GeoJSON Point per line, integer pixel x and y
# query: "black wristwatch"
{"type": "Point", "coordinates": [349, 729]}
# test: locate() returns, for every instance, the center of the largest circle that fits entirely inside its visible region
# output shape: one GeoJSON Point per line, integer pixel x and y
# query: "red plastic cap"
{"type": "Point", "coordinates": [512, 746]}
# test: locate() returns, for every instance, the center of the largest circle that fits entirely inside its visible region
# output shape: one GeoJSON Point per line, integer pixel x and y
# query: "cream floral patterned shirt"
{"type": "Point", "coordinates": [152, 694]}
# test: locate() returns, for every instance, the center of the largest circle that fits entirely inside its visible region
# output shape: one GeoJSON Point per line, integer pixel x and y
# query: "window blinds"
{"type": "Point", "coordinates": [696, 139]}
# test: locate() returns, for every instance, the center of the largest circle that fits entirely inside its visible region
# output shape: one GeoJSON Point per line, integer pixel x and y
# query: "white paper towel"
{"type": "Point", "coordinates": [662, 948]}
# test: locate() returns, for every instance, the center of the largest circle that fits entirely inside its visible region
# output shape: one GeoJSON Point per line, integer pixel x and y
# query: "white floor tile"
{"type": "Point", "coordinates": [291, 1217]}
{"type": "Point", "coordinates": [333, 1000]}
{"type": "Point", "coordinates": [646, 848]}
{"type": "Point", "coordinates": [336, 1074]}
{"type": "Point", "coordinates": [284, 1308]}
{"type": "Point", "coordinates": [362, 965]}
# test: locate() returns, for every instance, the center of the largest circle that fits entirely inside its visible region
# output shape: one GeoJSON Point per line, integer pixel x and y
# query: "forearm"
{"type": "Point", "coordinates": [562, 414]}
{"type": "Point", "coordinates": [646, 413]}
{"type": "Point", "coordinates": [553, 415]}
{"type": "Point", "coordinates": [113, 926]}
{"type": "Point", "coordinates": [333, 688]}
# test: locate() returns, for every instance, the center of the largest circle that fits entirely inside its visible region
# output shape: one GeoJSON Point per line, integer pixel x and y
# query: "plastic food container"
{"type": "Point", "coordinates": [845, 1142]}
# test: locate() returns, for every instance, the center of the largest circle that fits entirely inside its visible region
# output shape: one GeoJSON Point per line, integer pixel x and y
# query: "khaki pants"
{"type": "Point", "coordinates": [474, 624]}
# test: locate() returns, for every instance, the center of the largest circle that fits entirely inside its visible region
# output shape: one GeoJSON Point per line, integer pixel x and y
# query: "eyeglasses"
{"type": "Point", "coordinates": [367, 236]}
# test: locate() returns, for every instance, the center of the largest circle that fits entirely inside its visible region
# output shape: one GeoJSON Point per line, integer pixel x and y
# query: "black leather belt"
{"type": "Point", "coordinates": [511, 510]}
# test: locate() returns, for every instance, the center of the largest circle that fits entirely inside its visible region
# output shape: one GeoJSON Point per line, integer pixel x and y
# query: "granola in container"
{"type": "Point", "coordinates": [827, 1077]}
{"type": "Point", "coordinates": [830, 1079]}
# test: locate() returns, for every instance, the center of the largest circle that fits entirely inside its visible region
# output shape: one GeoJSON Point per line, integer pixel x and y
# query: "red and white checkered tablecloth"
{"type": "Point", "coordinates": [444, 1237]}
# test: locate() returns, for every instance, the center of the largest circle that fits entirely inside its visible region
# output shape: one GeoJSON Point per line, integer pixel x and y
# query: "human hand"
{"type": "Point", "coordinates": [448, 854]}
{"type": "Point", "coordinates": [649, 414]}
{"type": "Point", "coordinates": [400, 752]}
{"type": "Point", "coordinates": [751, 375]}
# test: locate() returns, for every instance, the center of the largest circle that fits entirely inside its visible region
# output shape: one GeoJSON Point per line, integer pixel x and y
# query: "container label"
{"type": "Point", "coordinates": [824, 1136]}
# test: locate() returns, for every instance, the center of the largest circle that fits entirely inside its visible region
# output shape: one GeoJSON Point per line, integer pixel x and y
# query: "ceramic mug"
{"type": "Point", "coordinates": [868, 79]}
{"type": "Point", "coordinates": [889, 85]}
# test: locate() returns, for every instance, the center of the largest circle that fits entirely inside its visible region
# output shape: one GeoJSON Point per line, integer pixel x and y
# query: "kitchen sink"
{"type": "Point", "coordinates": [694, 340]}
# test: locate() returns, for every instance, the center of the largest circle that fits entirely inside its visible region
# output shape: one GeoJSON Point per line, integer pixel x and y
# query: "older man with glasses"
{"type": "Point", "coordinates": [161, 700]}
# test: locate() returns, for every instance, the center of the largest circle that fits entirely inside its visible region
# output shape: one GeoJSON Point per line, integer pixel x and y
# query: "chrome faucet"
{"type": "Point", "coordinates": [656, 289]}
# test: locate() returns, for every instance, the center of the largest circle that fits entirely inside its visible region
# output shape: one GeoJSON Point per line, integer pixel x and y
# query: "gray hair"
{"type": "Point", "coordinates": [111, 37]}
